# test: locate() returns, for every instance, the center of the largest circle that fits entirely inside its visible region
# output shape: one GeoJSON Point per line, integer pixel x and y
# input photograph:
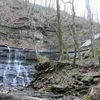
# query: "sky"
{"type": "Point", "coordinates": [80, 6]}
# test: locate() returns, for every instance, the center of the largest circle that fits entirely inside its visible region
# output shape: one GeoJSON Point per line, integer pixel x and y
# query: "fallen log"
{"type": "Point", "coordinates": [4, 96]}
{"type": "Point", "coordinates": [96, 76]}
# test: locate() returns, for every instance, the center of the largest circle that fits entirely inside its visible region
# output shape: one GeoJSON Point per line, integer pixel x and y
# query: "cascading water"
{"type": "Point", "coordinates": [21, 78]}
{"type": "Point", "coordinates": [5, 77]}
{"type": "Point", "coordinates": [15, 74]}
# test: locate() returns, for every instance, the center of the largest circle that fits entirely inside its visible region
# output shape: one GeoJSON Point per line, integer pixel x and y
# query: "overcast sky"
{"type": "Point", "coordinates": [79, 6]}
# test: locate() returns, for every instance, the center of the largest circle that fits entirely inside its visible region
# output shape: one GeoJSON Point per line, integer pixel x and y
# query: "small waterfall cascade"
{"type": "Point", "coordinates": [15, 74]}
{"type": "Point", "coordinates": [5, 76]}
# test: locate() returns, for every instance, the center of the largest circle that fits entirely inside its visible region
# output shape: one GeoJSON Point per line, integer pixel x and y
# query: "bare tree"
{"type": "Point", "coordinates": [32, 27]}
{"type": "Point", "coordinates": [90, 19]}
{"type": "Point", "coordinates": [59, 32]}
{"type": "Point", "coordinates": [73, 31]}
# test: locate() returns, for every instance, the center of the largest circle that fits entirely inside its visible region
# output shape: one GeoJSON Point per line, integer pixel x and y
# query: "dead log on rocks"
{"type": "Point", "coordinates": [4, 96]}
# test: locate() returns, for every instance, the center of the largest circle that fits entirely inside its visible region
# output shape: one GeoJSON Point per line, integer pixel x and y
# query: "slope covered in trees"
{"type": "Point", "coordinates": [15, 27]}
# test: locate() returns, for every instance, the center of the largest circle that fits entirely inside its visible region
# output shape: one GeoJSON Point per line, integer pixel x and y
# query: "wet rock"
{"type": "Point", "coordinates": [1, 72]}
{"type": "Point", "coordinates": [20, 81]}
{"type": "Point", "coordinates": [11, 73]}
{"type": "Point", "coordinates": [1, 79]}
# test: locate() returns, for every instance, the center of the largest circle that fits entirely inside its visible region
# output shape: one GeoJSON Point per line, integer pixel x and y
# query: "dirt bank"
{"type": "Point", "coordinates": [64, 79]}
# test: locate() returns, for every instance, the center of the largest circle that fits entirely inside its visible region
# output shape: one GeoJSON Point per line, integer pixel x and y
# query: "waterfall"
{"type": "Point", "coordinates": [21, 78]}
{"type": "Point", "coordinates": [5, 78]}
{"type": "Point", "coordinates": [15, 74]}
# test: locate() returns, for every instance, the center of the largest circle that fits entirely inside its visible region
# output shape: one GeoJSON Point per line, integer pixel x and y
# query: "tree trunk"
{"type": "Point", "coordinates": [29, 15]}
{"type": "Point", "coordinates": [60, 39]}
{"type": "Point", "coordinates": [73, 31]}
{"type": "Point", "coordinates": [90, 19]}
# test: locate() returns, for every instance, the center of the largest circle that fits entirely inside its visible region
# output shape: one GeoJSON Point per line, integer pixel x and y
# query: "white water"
{"type": "Point", "coordinates": [7, 68]}
{"type": "Point", "coordinates": [15, 74]}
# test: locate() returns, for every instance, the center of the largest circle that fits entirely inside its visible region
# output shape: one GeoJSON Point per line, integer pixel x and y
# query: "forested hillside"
{"type": "Point", "coordinates": [15, 26]}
